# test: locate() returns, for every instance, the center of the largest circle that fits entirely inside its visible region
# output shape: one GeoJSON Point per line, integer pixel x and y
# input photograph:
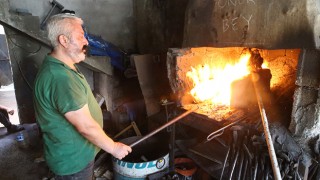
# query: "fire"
{"type": "Point", "coordinates": [213, 84]}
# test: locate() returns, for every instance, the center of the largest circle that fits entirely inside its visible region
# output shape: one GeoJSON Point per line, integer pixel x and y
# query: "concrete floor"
{"type": "Point", "coordinates": [20, 162]}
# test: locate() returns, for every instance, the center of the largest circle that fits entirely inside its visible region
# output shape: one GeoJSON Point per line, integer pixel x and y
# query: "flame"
{"type": "Point", "coordinates": [265, 65]}
{"type": "Point", "coordinates": [213, 84]}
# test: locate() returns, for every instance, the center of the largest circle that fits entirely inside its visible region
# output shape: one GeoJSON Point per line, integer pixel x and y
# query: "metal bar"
{"type": "Point", "coordinates": [132, 125]}
{"type": "Point", "coordinates": [236, 152]}
{"type": "Point", "coordinates": [244, 176]}
{"type": "Point", "coordinates": [123, 131]}
{"type": "Point", "coordinates": [164, 126]}
{"type": "Point", "coordinates": [172, 131]}
{"type": "Point", "coordinates": [234, 163]}
{"type": "Point", "coordinates": [47, 17]}
{"type": "Point", "coordinates": [172, 142]}
{"type": "Point", "coordinates": [248, 152]}
{"type": "Point", "coordinates": [256, 165]}
{"type": "Point", "coordinates": [55, 4]}
{"type": "Point", "coordinates": [136, 129]}
{"type": "Point", "coordinates": [241, 163]}
{"type": "Point", "coordinates": [272, 154]}
{"type": "Point", "coordinates": [225, 162]}
{"type": "Point", "coordinates": [205, 156]}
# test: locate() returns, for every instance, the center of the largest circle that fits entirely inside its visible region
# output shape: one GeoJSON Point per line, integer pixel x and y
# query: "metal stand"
{"type": "Point", "coordinates": [132, 125]}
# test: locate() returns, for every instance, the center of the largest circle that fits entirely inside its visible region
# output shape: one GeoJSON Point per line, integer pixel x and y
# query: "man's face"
{"type": "Point", "coordinates": [77, 44]}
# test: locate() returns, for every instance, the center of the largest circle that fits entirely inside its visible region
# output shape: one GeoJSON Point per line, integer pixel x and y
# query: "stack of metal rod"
{"type": "Point", "coordinates": [248, 157]}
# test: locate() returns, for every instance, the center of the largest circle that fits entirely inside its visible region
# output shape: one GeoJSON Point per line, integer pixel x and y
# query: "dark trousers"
{"type": "Point", "coordinates": [4, 118]}
{"type": "Point", "coordinates": [84, 174]}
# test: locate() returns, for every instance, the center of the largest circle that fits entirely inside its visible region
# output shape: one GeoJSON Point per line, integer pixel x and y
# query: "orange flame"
{"type": "Point", "coordinates": [213, 84]}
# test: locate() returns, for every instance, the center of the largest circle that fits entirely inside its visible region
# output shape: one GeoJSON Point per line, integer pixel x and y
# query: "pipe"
{"type": "Point", "coordinates": [272, 154]}
{"type": "Point", "coordinates": [164, 126]}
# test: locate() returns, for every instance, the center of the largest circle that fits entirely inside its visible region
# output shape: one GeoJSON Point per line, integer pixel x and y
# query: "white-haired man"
{"type": "Point", "coordinates": [66, 110]}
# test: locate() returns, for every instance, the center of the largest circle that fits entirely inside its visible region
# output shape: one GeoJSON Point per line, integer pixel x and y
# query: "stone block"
{"type": "Point", "coordinates": [308, 73]}
{"type": "Point", "coordinates": [304, 112]}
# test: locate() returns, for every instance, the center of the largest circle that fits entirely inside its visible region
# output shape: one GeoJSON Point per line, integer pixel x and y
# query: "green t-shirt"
{"type": "Point", "coordinates": [58, 90]}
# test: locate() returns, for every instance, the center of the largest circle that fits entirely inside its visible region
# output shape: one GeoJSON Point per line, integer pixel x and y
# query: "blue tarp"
{"type": "Point", "coordinates": [100, 47]}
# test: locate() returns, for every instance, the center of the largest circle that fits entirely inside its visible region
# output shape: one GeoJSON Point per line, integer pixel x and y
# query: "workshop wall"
{"type": "Point", "coordinates": [160, 24]}
{"type": "Point", "coordinates": [111, 20]}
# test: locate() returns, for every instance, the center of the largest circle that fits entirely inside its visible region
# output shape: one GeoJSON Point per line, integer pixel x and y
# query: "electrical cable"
{"type": "Point", "coordinates": [22, 47]}
{"type": "Point", "coordinates": [20, 69]}
{"type": "Point", "coordinates": [10, 36]}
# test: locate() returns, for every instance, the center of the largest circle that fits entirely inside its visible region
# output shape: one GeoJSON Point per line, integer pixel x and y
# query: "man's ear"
{"type": "Point", "coordinates": [63, 40]}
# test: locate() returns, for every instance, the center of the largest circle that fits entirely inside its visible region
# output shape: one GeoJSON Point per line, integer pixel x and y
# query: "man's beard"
{"type": "Point", "coordinates": [78, 54]}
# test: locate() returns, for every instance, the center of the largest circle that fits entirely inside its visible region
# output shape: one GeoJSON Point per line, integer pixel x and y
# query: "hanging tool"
{"type": "Point", "coordinates": [55, 5]}
{"type": "Point", "coordinates": [164, 126]}
{"type": "Point", "coordinates": [272, 154]}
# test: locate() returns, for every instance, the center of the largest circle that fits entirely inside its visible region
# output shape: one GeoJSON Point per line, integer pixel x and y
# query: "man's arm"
{"type": "Point", "coordinates": [82, 120]}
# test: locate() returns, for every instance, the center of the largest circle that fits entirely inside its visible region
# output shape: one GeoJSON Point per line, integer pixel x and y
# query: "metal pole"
{"type": "Point", "coordinates": [272, 154]}
{"type": "Point", "coordinates": [164, 126]}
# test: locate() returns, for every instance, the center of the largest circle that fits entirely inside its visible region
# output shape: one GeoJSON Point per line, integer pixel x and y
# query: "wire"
{"type": "Point", "coordinates": [10, 36]}
{"type": "Point", "coordinates": [20, 69]}
{"type": "Point", "coordinates": [22, 47]}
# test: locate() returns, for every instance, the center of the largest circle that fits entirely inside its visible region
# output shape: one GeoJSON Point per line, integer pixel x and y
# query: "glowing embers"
{"type": "Point", "coordinates": [212, 84]}
{"type": "Point", "coordinates": [213, 111]}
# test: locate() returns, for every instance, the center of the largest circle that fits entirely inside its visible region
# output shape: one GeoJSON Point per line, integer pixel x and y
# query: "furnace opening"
{"type": "Point", "coordinates": [218, 79]}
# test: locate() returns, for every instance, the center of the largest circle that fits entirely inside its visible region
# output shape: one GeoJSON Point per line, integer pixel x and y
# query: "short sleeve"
{"type": "Point", "coordinates": [68, 94]}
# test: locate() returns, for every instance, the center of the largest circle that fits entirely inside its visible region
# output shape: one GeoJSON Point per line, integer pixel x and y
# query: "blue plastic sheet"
{"type": "Point", "coordinates": [100, 47]}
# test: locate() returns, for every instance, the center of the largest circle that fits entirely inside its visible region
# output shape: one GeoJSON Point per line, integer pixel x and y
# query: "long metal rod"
{"type": "Point", "coordinates": [272, 154]}
{"type": "Point", "coordinates": [164, 126]}
{"type": "Point", "coordinates": [225, 162]}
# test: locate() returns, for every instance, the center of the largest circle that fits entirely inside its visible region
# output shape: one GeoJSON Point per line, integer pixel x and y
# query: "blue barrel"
{"type": "Point", "coordinates": [148, 157]}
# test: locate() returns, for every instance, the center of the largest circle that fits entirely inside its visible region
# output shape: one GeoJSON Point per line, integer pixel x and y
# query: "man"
{"type": "Point", "coordinates": [4, 119]}
{"type": "Point", "coordinates": [66, 110]}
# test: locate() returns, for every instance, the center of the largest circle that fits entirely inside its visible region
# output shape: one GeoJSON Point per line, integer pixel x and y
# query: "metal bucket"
{"type": "Point", "coordinates": [148, 157]}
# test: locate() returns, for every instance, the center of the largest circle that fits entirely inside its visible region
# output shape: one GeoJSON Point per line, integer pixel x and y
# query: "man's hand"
{"type": "Point", "coordinates": [120, 150]}
{"type": "Point", "coordinates": [11, 112]}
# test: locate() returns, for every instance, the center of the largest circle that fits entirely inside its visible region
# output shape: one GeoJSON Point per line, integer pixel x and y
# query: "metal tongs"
{"type": "Point", "coordinates": [220, 131]}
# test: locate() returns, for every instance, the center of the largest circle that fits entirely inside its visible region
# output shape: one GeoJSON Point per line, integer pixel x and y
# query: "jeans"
{"type": "Point", "coordinates": [84, 174]}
